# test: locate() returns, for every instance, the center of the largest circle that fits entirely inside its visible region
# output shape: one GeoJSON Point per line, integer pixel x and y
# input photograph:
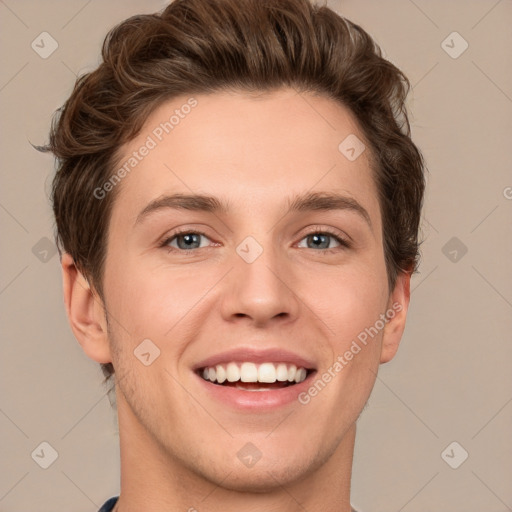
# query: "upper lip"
{"type": "Point", "coordinates": [247, 354]}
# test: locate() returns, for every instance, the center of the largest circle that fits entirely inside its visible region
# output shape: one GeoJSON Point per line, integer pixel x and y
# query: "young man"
{"type": "Point", "coordinates": [237, 204]}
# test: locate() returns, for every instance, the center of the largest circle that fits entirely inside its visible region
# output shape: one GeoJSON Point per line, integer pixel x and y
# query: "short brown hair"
{"type": "Point", "coordinates": [203, 46]}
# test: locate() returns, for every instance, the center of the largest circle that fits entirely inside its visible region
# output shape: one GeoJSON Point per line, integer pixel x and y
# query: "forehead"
{"type": "Point", "coordinates": [250, 150]}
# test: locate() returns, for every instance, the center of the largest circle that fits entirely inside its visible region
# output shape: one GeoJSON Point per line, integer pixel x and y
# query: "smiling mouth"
{"type": "Point", "coordinates": [249, 376]}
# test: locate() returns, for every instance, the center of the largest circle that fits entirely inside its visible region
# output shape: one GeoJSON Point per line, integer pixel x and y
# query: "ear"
{"type": "Point", "coordinates": [85, 312]}
{"type": "Point", "coordinates": [398, 306]}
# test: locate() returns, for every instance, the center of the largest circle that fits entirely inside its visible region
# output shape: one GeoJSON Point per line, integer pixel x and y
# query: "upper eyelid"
{"type": "Point", "coordinates": [329, 231]}
{"type": "Point", "coordinates": [167, 239]}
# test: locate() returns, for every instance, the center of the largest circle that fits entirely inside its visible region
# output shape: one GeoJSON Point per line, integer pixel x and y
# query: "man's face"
{"type": "Point", "coordinates": [262, 283]}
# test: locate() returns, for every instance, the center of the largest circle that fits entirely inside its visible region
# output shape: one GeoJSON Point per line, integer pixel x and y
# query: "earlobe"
{"type": "Point", "coordinates": [85, 312]}
{"type": "Point", "coordinates": [398, 306]}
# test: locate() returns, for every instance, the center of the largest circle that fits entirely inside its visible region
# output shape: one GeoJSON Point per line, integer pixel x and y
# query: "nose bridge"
{"type": "Point", "coordinates": [259, 285]}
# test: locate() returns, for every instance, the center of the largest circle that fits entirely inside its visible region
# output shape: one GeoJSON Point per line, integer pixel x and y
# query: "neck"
{"type": "Point", "coordinates": [152, 479]}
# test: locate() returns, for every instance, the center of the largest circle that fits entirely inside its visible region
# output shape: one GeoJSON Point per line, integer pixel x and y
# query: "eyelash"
{"type": "Point", "coordinates": [344, 244]}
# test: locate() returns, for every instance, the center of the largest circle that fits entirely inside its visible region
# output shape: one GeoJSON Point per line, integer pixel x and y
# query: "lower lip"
{"type": "Point", "coordinates": [271, 399]}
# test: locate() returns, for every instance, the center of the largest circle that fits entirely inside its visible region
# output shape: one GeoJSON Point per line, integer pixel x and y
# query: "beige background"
{"type": "Point", "coordinates": [451, 380]}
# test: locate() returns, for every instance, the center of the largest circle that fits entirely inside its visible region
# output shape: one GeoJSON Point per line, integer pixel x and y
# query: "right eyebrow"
{"type": "Point", "coordinates": [194, 202]}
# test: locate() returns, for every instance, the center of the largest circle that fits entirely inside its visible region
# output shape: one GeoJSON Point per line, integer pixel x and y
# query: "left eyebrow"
{"type": "Point", "coordinates": [328, 201]}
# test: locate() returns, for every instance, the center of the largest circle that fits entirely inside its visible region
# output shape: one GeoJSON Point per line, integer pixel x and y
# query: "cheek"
{"type": "Point", "coordinates": [158, 303]}
{"type": "Point", "coordinates": [352, 310]}
{"type": "Point", "coordinates": [348, 301]}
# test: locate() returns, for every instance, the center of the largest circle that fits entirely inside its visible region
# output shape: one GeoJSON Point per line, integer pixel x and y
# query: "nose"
{"type": "Point", "coordinates": [260, 291]}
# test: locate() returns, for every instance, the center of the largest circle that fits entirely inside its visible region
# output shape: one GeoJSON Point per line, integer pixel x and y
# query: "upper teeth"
{"type": "Point", "coordinates": [250, 372]}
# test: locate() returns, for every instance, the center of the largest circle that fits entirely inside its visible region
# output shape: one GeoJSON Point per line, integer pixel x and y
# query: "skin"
{"type": "Point", "coordinates": [178, 446]}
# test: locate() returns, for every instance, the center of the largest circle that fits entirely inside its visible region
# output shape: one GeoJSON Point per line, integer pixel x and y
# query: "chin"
{"type": "Point", "coordinates": [266, 475]}
{"type": "Point", "coordinates": [264, 480]}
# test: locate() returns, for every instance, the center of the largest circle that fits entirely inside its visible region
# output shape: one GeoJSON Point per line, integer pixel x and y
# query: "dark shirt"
{"type": "Point", "coordinates": [109, 505]}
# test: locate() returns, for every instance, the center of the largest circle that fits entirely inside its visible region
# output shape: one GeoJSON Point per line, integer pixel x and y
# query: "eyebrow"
{"type": "Point", "coordinates": [325, 201]}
